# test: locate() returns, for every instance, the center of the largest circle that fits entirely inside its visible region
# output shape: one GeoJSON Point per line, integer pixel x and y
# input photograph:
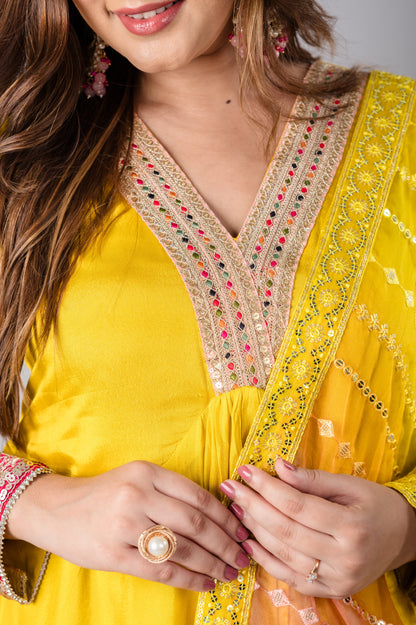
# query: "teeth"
{"type": "Point", "coordinates": [149, 14]}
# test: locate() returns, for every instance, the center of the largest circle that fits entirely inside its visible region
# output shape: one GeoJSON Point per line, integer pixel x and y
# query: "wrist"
{"type": "Point", "coordinates": [24, 514]}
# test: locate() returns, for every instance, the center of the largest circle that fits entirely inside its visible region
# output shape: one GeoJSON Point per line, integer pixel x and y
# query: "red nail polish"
{"type": "Point", "coordinates": [245, 473]}
{"type": "Point", "coordinates": [289, 465]}
{"type": "Point", "coordinates": [242, 533]}
{"type": "Point", "coordinates": [230, 573]}
{"type": "Point", "coordinates": [209, 584]}
{"type": "Point", "coordinates": [227, 489]}
{"type": "Point", "coordinates": [247, 548]}
{"type": "Point", "coordinates": [237, 510]}
{"type": "Point", "coordinates": [243, 560]}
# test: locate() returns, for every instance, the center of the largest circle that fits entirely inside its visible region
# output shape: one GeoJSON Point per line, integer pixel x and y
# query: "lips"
{"type": "Point", "coordinates": [150, 18]}
{"type": "Point", "coordinates": [147, 10]}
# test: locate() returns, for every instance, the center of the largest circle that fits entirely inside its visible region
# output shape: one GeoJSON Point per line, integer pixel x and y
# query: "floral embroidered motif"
{"type": "Point", "coordinates": [241, 290]}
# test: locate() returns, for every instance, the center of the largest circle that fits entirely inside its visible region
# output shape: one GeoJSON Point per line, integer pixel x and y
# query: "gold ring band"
{"type": "Point", "coordinates": [313, 575]}
{"type": "Point", "coordinates": [157, 544]}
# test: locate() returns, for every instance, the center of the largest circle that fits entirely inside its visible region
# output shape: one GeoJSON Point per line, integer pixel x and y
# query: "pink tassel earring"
{"type": "Point", "coordinates": [97, 83]}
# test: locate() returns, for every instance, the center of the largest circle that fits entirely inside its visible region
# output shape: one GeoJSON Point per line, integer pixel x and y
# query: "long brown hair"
{"type": "Point", "coordinates": [57, 148]}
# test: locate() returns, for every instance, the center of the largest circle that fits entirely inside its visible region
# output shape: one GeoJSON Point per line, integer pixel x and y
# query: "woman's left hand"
{"type": "Point", "coordinates": [357, 529]}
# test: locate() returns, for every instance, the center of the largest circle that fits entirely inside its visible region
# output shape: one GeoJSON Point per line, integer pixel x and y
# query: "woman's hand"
{"type": "Point", "coordinates": [357, 529]}
{"type": "Point", "coordinates": [95, 523]}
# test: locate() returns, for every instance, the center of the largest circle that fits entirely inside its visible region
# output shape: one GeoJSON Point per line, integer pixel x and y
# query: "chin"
{"type": "Point", "coordinates": [157, 65]}
{"type": "Point", "coordinates": [157, 57]}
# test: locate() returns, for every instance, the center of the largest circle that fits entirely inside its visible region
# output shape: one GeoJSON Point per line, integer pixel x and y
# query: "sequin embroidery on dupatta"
{"type": "Point", "coordinates": [241, 289]}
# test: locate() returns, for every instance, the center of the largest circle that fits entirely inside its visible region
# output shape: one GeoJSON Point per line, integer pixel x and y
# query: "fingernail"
{"type": "Point", "coordinates": [230, 573]}
{"type": "Point", "coordinates": [288, 465]}
{"type": "Point", "coordinates": [245, 473]}
{"type": "Point", "coordinates": [209, 584]}
{"type": "Point", "coordinates": [242, 533]}
{"type": "Point", "coordinates": [243, 560]}
{"type": "Point", "coordinates": [237, 510]}
{"type": "Point", "coordinates": [247, 548]}
{"type": "Point", "coordinates": [227, 489]}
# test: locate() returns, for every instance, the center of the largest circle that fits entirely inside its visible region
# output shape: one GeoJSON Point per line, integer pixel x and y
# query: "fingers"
{"type": "Point", "coordinates": [201, 542]}
{"type": "Point", "coordinates": [279, 534]}
{"type": "Point", "coordinates": [195, 558]}
{"type": "Point", "coordinates": [308, 509]}
{"type": "Point", "coordinates": [170, 573]}
{"type": "Point", "coordinates": [338, 488]}
{"type": "Point", "coordinates": [295, 579]}
{"type": "Point", "coordinates": [194, 516]}
{"type": "Point", "coordinates": [176, 486]}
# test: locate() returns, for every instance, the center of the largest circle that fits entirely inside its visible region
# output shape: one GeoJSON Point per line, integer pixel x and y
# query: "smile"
{"type": "Point", "coordinates": [151, 19]}
{"type": "Point", "coordinates": [149, 14]}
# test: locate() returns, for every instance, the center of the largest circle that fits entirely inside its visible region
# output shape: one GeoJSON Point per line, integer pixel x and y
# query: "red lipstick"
{"type": "Point", "coordinates": [137, 23]}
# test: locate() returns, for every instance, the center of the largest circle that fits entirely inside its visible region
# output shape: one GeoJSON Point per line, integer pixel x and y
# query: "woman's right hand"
{"type": "Point", "coordinates": [95, 523]}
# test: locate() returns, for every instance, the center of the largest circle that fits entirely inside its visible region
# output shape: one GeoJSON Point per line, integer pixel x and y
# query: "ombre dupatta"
{"type": "Point", "coordinates": [318, 365]}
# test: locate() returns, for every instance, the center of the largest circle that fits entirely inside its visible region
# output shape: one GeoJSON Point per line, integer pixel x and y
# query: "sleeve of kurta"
{"type": "Point", "coordinates": [15, 475]}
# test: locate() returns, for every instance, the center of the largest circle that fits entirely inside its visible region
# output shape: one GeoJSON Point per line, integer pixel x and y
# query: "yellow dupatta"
{"type": "Point", "coordinates": [318, 325]}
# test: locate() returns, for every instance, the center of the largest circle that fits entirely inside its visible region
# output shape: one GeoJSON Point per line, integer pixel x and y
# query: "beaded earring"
{"type": "Point", "coordinates": [277, 35]}
{"type": "Point", "coordinates": [97, 82]}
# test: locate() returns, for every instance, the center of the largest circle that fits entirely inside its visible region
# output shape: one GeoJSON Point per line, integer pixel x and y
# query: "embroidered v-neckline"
{"type": "Point", "coordinates": [285, 138]}
{"type": "Point", "coordinates": [241, 289]}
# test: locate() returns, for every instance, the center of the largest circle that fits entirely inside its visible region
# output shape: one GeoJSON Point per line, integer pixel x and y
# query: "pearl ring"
{"type": "Point", "coordinates": [157, 544]}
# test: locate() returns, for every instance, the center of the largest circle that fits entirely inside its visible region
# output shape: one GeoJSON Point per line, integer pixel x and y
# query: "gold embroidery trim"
{"type": "Point", "coordinates": [315, 333]}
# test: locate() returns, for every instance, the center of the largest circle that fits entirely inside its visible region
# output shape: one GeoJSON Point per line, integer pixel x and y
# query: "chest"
{"type": "Point", "coordinates": [224, 159]}
{"type": "Point", "coordinates": [240, 288]}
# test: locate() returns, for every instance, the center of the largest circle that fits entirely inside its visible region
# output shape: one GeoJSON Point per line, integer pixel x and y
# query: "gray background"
{"type": "Point", "coordinates": [377, 33]}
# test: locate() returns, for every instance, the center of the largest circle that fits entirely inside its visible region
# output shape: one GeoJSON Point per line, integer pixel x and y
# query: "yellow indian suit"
{"type": "Point", "coordinates": [126, 378]}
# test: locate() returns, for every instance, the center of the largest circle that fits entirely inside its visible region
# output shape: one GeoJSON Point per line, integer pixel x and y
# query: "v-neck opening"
{"type": "Point", "coordinates": [289, 126]}
{"type": "Point", "coordinates": [241, 289]}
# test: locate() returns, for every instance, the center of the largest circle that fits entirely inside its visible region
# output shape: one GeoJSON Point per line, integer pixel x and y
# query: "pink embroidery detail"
{"type": "Point", "coordinates": [309, 616]}
{"type": "Point", "coordinates": [279, 598]}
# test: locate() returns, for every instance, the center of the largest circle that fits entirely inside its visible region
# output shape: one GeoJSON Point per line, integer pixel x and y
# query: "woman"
{"type": "Point", "coordinates": [195, 326]}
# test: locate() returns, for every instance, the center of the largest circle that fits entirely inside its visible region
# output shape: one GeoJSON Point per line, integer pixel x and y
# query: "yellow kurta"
{"type": "Point", "coordinates": [128, 377]}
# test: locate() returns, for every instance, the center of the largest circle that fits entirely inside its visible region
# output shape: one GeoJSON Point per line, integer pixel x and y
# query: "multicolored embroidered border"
{"type": "Point", "coordinates": [241, 290]}
{"type": "Point", "coordinates": [15, 475]}
{"type": "Point", "coordinates": [311, 341]}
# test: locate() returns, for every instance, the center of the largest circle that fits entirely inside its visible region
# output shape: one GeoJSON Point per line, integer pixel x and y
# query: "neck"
{"type": "Point", "coordinates": [197, 88]}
